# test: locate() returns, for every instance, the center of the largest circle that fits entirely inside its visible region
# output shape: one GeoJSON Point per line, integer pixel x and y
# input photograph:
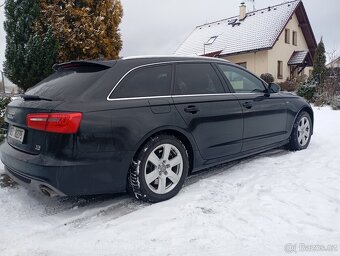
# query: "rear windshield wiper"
{"type": "Point", "coordinates": [33, 97]}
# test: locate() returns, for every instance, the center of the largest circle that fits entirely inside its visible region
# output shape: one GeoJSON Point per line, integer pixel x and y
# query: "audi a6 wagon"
{"type": "Point", "coordinates": [144, 124]}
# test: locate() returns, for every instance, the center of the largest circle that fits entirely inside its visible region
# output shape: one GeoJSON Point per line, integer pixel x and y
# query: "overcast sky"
{"type": "Point", "coordinates": [159, 26]}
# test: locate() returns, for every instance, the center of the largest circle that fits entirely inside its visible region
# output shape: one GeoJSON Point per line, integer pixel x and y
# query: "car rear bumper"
{"type": "Point", "coordinates": [103, 173]}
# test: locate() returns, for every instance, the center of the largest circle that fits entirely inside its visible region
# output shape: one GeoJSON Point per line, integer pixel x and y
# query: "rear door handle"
{"type": "Point", "coordinates": [191, 109]}
{"type": "Point", "coordinates": [248, 105]}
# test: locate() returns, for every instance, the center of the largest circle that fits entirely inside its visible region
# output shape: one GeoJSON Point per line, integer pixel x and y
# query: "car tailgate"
{"type": "Point", "coordinates": [32, 141]}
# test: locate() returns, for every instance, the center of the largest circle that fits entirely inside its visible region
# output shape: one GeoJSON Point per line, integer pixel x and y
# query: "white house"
{"type": "Point", "coordinates": [277, 40]}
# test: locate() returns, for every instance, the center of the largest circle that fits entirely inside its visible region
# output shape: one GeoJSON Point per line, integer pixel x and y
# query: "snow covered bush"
{"type": "Point", "coordinates": [329, 92]}
{"type": "Point", "coordinates": [289, 86]}
{"type": "Point", "coordinates": [267, 77]}
{"type": "Point", "coordinates": [335, 103]}
{"type": "Point", "coordinates": [3, 104]}
{"type": "Point", "coordinates": [307, 91]}
{"type": "Point", "coordinates": [292, 85]}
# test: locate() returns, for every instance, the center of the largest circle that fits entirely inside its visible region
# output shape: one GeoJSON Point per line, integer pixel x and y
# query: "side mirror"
{"type": "Point", "coordinates": [273, 88]}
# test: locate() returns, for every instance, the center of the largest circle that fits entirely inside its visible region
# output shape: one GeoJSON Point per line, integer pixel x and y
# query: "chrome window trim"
{"type": "Point", "coordinates": [201, 95]}
{"type": "Point", "coordinates": [141, 98]}
{"type": "Point", "coordinates": [148, 65]}
{"type": "Point", "coordinates": [182, 96]}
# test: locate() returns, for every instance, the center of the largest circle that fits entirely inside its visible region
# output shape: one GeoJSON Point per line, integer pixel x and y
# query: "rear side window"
{"type": "Point", "coordinates": [68, 83]}
{"type": "Point", "coordinates": [146, 82]}
{"type": "Point", "coordinates": [197, 78]}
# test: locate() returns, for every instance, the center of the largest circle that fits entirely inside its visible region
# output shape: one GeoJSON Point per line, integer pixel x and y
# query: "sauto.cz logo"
{"type": "Point", "coordinates": [11, 114]}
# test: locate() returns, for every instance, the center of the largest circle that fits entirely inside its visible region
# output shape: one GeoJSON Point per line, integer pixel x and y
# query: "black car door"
{"type": "Point", "coordinates": [265, 116]}
{"type": "Point", "coordinates": [213, 116]}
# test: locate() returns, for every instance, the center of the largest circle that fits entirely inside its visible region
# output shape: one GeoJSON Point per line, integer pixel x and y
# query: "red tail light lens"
{"type": "Point", "coordinates": [67, 123]}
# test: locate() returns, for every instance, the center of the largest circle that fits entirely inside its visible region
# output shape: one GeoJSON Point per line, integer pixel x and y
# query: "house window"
{"type": "Point", "coordinates": [287, 36]}
{"type": "Point", "coordinates": [294, 38]}
{"type": "Point", "coordinates": [211, 40]}
{"type": "Point", "coordinates": [279, 69]}
{"type": "Point", "coordinates": [242, 64]}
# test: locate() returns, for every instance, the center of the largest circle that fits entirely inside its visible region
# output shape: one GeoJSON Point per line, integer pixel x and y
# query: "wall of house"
{"type": "Point", "coordinates": [267, 61]}
{"type": "Point", "coordinates": [283, 51]}
{"type": "Point", "coordinates": [257, 62]}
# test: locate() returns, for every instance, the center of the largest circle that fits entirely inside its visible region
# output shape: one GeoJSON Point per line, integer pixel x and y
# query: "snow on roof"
{"type": "Point", "coordinates": [298, 57]}
{"type": "Point", "coordinates": [259, 30]}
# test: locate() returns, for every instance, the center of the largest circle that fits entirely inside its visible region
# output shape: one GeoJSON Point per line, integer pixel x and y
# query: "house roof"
{"type": "Point", "coordinates": [334, 62]}
{"type": "Point", "coordinates": [300, 58]}
{"type": "Point", "coordinates": [258, 31]}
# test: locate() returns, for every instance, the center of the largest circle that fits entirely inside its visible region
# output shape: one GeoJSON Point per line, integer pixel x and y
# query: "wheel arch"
{"type": "Point", "coordinates": [180, 134]}
{"type": "Point", "coordinates": [307, 109]}
{"type": "Point", "coordinates": [310, 112]}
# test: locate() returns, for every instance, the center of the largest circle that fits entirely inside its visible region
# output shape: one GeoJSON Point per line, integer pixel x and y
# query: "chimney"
{"type": "Point", "coordinates": [243, 11]}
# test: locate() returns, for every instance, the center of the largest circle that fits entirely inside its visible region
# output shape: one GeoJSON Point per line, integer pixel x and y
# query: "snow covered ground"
{"type": "Point", "coordinates": [264, 205]}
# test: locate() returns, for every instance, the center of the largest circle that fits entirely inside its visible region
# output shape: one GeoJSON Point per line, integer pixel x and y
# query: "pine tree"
{"type": "Point", "coordinates": [86, 29]}
{"type": "Point", "coordinates": [29, 56]}
{"type": "Point", "coordinates": [319, 68]}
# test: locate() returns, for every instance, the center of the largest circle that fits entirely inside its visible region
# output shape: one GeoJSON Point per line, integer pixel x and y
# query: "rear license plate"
{"type": "Point", "coordinates": [16, 133]}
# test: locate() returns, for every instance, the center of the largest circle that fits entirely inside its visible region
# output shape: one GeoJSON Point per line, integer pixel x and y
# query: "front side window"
{"type": "Point", "coordinates": [242, 81]}
{"type": "Point", "coordinates": [197, 78]}
{"type": "Point", "coordinates": [146, 82]}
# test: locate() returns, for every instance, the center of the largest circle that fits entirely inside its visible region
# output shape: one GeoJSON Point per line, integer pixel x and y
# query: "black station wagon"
{"type": "Point", "coordinates": [144, 124]}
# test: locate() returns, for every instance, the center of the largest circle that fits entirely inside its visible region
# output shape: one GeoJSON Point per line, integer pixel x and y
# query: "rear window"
{"type": "Point", "coordinates": [69, 83]}
{"type": "Point", "coordinates": [146, 82]}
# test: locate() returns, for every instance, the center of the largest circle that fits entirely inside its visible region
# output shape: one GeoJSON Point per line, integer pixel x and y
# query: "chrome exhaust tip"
{"type": "Point", "coordinates": [48, 192]}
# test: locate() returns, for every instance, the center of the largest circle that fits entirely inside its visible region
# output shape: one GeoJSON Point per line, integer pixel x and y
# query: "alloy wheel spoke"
{"type": "Point", "coordinates": [154, 159]}
{"type": "Point", "coordinates": [303, 131]}
{"type": "Point", "coordinates": [152, 176]}
{"type": "Point", "coordinates": [173, 177]}
{"type": "Point", "coordinates": [161, 184]}
{"type": "Point", "coordinates": [175, 161]}
{"type": "Point", "coordinates": [306, 138]}
{"type": "Point", "coordinates": [166, 151]}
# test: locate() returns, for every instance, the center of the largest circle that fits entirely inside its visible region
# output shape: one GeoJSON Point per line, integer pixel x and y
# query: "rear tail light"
{"type": "Point", "coordinates": [67, 123]}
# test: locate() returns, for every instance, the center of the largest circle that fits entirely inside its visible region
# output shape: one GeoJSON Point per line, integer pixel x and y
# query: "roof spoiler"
{"type": "Point", "coordinates": [74, 64]}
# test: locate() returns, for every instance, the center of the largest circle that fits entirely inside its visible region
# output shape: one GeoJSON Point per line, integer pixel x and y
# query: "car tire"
{"type": "Point", "coordinates": [159, 169]}
{"type": "Point", "coordinates": [301, 133]}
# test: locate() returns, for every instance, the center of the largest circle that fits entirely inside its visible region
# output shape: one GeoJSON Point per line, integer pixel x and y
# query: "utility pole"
{"type": "Point", "coordinates": [3, 81]}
